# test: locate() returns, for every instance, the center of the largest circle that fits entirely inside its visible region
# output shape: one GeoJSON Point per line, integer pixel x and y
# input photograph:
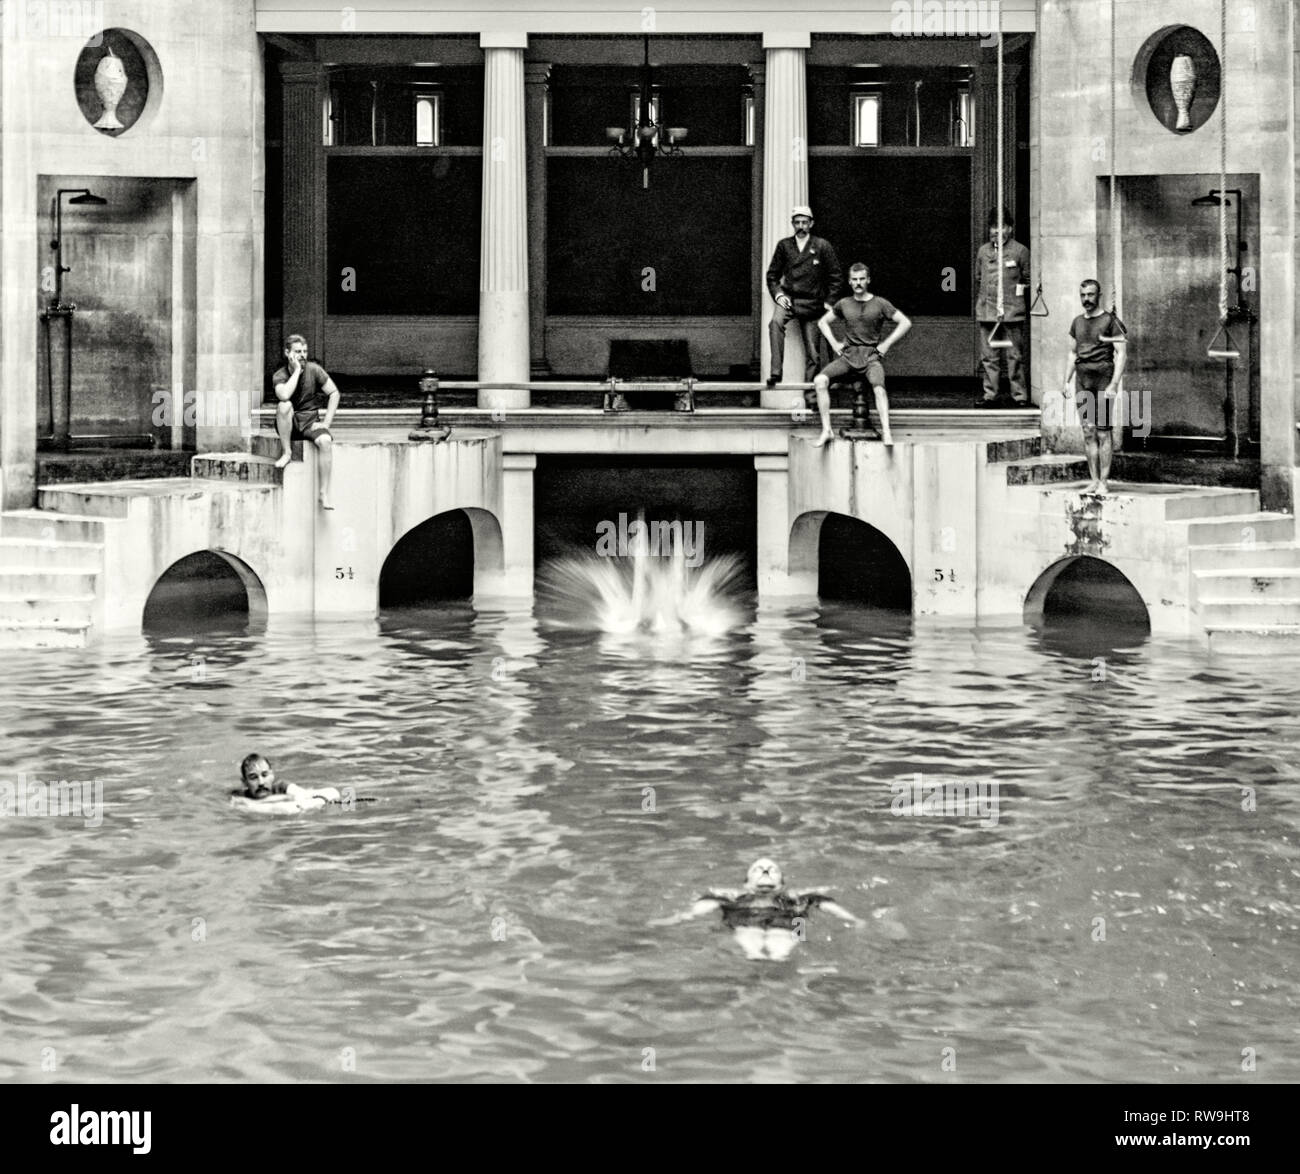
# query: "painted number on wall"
{"type": "Point", "coordinates": [343, 573]}
{"type": "Point", "coordinates": [942, 576]}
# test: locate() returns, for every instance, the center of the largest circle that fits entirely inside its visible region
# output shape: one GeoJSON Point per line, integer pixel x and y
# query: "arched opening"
{"type": "Point", "coordinates": [209, 590]}
{"type": "Point", "coordinates": [1086, 599]}
{"type": "Point", "coordinates": [431, 563]}
{"type": "Point", "coordinates": [856, 563]}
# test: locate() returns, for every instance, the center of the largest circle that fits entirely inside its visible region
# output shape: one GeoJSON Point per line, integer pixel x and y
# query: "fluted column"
{"type": "Point", "coordinates": [304, 209]}
{"type": "Point", "coordinates": [503, 255]}
{"type": "Point", "coordinates": [536, 74]}
{"type": "Point", "coordinates": [785, 177]}
{"type": "Point", "coordinates": [757, 262]}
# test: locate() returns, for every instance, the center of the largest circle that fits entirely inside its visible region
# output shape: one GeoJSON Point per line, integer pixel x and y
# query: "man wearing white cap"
{"type": "Point", "coordinates": [804, 280]}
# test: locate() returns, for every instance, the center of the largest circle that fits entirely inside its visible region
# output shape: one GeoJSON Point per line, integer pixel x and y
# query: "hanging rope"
{"type": "Point", "coordinates": [1114, 202]}
{"type": "Point", "coordinates": [1222, 345]}
{"type": "Point", "coordinates": [1223, 161]}
{"type": "Point", "coordinates": [998, 213]}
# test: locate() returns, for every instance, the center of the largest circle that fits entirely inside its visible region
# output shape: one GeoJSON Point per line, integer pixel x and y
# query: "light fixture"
{"type": "Point", "coordinates": [648, 140]}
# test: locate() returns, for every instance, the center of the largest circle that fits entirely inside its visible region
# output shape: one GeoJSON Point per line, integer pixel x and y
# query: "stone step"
{"type": "Point", "coordinates": [1241, 528]}
{"type": "Point", "coordinates": [46, 582]}
{"type": "Point", "coordinates": [50, 527]}
{"type": "Point", "coordinates": [1211, 503]}
{"type": "Point", "coordinates": [1051, 469]}
{"type": "Point", "coordinates": [240, 466]}
{"type": "Point", "coordinates": [1232, 555]}
{"type": "Point", "coordinates": [1249, 612]}
{"type": "Point", "coordinates": [17, 610]}
{"type": "Point", "coordinates": [1248, 583]}
{"type": "Point", "coordinates": [1260, 639]}
{"type": "Point", "coordinates": [40, 635]}
{"type": "Point", "coordinates": [52, 552]}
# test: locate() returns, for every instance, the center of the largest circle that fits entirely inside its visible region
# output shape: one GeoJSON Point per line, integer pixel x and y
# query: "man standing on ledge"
{"type": "Point", "coordinates": [1014, 278]}
{"type": "Point", "coordinates": [804, 280]}
{"type": "Point", "coordinates": [302, 388]}
{"type": "Point", "coordinates": [1096, 370]}
{"type": "Point", "coordinates": [864, 316]}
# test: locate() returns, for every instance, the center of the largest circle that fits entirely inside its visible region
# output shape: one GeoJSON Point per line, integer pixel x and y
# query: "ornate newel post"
{"type": "Point", "coordinates": [429, 428]}
{"type": "Point", "coordinates": [503, 318]}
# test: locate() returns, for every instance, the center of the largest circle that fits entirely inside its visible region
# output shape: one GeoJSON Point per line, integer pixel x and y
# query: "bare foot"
{"type": "Point", "coordinates": [888, 440]}
{"type": "Point", "coordinates": [1091, 487]}
{"type": "Point", "coordinates": [325, 503]}
{"type": "Point", "coordinates": [823, 438]}
{"type": "Point", "coordinates": [285, 458]}
{"type": "Point", "coordinates": [1102, 488]}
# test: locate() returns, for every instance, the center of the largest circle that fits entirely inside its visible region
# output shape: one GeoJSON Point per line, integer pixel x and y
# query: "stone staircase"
{"type": "Point", "coordinates": [1246, 581]}
{"type": "Point", "coordinates": [52, 558]}
{"type": "Point", "coordinates": [50, 566]}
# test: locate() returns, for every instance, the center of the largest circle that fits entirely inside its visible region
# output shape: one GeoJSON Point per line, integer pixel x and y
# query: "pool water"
{"type": "Point", "coordinates": [543, 793]}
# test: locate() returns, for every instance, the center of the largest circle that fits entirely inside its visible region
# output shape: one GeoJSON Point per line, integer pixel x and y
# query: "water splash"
{"type": "Point", "coordinates": [643, 595]}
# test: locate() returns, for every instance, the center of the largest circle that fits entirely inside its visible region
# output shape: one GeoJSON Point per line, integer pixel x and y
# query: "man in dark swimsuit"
{"type": "Point", "coordinates": [1095, 363]}
{"type": "Point", "coordinates": [302, 389]}
{"type": "Point", "coordinates": [766, 918]}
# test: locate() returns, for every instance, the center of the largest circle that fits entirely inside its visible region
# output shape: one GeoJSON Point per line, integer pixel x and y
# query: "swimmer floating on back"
{"type": "Point", "coordinates": [263, 793]}
{"type": "Point", "coordinates": [767, 919]}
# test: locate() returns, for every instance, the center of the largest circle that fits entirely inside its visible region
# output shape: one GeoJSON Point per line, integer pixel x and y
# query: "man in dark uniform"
{"type": "Point", "coordinates": [804, 280]}
{"type": "Point", "coordinates": [1095, 366]}
{"type": "Point", "coordinates": [1014, 280]}
{"type": "Point", "coordinates": [302, 388]}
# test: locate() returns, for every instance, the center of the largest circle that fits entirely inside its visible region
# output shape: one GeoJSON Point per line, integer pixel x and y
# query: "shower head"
{"type": "Point", "coordinates": [88, 198]}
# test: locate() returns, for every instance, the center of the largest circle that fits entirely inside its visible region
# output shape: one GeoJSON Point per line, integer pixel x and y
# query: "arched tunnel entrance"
{"type": "Point", "coordinates": [205, 591]}
{"type": "Point", "coordinates": [431, 563]}
{"type": "Point", "coordinates": [856, 563]}
{"type": "Point", "coordinates": [1082, 598]}
{"type": "Point", "coordinates": [578, 500]}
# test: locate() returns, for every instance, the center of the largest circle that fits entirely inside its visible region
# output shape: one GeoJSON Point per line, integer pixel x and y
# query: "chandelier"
{"type": "Point", "coordinates": [648, 140]}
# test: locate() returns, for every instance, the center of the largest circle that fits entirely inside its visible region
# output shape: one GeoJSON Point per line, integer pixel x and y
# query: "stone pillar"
{"type": "Point", "coordinates": [536, 74]}
{"type": "Point", "coordinates": [304, 202]}
{"type": "Point", "coordinates": [757, 262]}
{"type": "Point", "coordinates": [772, 552]}
{"type": "Point", "coordinates": [517, 523]}
{"type": "Point", "coordinates": [785, 178]}
{"type": "Point", "coordinates": [503, 255]}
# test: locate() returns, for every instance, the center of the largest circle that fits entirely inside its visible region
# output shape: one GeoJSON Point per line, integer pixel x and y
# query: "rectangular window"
{"type": "Point", "coordinates": [331, 104]}
{"type": "Point", "coordinates": [866, 120]}
{"type": "Point", "coordinates": [963, 126]}
{"type": "Point", "coordinates": [546, 118]}
{"type": "Point", "coordinates": [428, 119]}
{"type": "Point", "coordinates": [635, 113]}
{"type": "Point", "coordinates": [747, 116]}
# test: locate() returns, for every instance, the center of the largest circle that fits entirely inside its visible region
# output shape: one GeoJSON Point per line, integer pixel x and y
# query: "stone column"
{"type": "Point", "coordinates": [536, 74]}
{"type": "Point", "coordinates": [304, 202]}
{"type": "Point", "coordinates": [757, 262]}
{"type": "Point", "coordinates": [772, 553]}
{"type": "Point", "coordinates": [503, 254]}
{"type": "Point", "coordinates": [517, 523]}
{"type": "Point", "coordinates": [785, 177]}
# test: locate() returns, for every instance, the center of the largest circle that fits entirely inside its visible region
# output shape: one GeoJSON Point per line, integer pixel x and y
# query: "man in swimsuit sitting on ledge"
{"type": "Point", "coordinates": [302, 388]}
{"type": "Point", "coordinates": [767, 919]}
